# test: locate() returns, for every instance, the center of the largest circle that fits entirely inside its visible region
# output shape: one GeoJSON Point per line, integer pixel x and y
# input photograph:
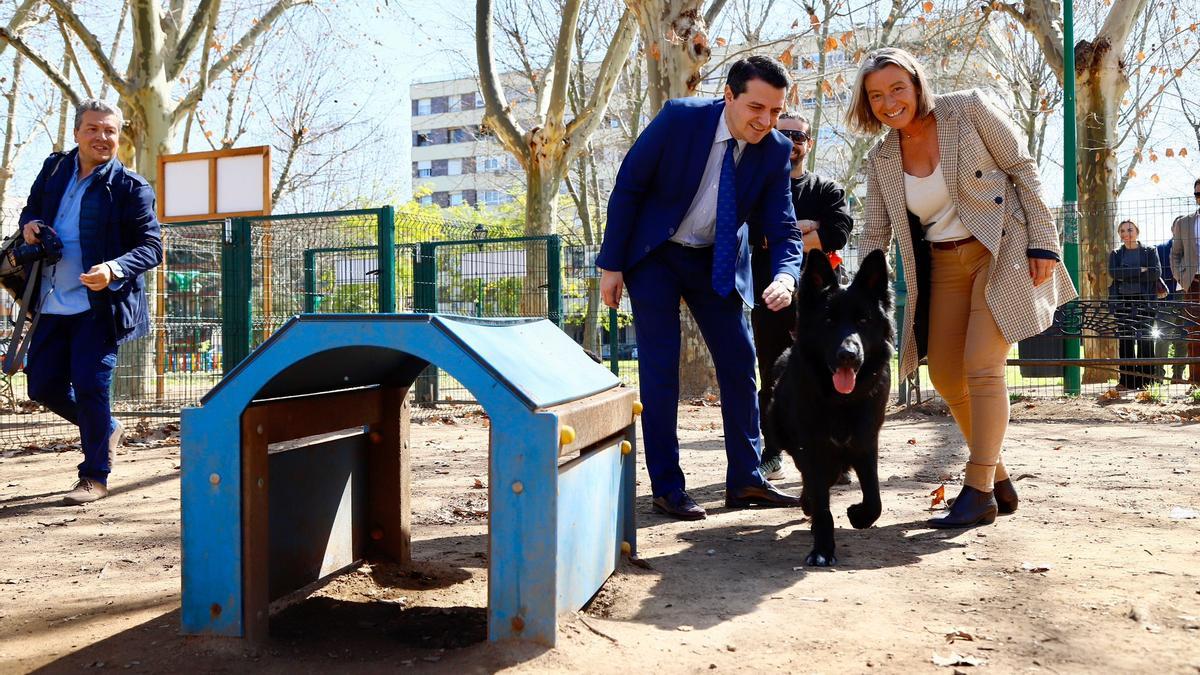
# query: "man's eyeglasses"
{"type": "Point", "coordinates": [798, 136]}
{"type": "Point", "coordinates": [1196, 193]}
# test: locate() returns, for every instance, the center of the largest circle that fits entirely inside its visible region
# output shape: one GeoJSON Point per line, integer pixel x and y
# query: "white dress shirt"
{"type": "Point", "coordinates": [699, 225]}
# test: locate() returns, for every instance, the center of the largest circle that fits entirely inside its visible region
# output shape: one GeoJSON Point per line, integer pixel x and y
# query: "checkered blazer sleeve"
{"type": "Point", "coordinates": [877, 230]}
{"type": "Point", "coordinates": [1011, 156]}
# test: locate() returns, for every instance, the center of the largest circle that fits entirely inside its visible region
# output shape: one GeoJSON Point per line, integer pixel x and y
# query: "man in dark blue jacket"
{"type": "Point", "coordinates": [676, 230]}
{"type": "Point", "coordinates": [93, 298]}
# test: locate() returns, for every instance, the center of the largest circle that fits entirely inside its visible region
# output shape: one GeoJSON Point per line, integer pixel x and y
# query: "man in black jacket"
{"type": "Point", "coordinates": [823, 221]}
{"type": "Point", "coordinates": [92, 298]}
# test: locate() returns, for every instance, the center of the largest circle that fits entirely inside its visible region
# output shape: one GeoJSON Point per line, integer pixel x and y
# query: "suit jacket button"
{"type": "Point", "coordinates": [978, 174]}
{"type": "Point", "coordinates": [999, 200]}
{"type": "Point", "coordinates": [647, 249]}
{"type": "Point", "coordinates": [671, 230]}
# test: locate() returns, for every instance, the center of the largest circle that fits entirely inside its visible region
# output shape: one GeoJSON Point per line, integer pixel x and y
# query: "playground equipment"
{"type": "Point", "coordinates": [297, 464]}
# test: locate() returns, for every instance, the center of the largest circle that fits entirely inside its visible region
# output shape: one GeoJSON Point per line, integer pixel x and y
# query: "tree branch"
{"type": "Point", "coordinates": [92, 45]}
{"type": "Point", "coordinates": [714, 10]}
{"type": "Point", "coordinates": [18, 20]}
{"type": "Point", "coordinates": [1119, 22]}
{"type": "Point", "coordinates": [70, 49]}
{"type": "Point", "coordinates": [263, 24]}
{"type": "Point", "coordinates": [588, 119]}
{"type": "Point", "coordinates": [497, 112]}
{"type": "Point", "coordinates": [557, 100]}
{"type": "Point", "coordinates": [206, 14]}
{"type": "Point", "coordinates": [1042, 18]}
{"type": "Point", "coordinates": [42, 64]}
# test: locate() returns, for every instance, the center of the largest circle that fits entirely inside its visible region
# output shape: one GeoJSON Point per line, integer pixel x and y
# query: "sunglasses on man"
{"type": "Point", "coordinates": [796, 136]}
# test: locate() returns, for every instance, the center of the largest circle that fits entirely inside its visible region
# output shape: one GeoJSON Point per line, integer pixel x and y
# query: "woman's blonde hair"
{"type": "Point", "coordinates": [859, 115]}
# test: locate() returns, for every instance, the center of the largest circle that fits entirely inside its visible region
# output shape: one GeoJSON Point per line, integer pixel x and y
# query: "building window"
{"type": "Point", "coordinates": [462, 135]}
{"type": "Point", "coordinates": [425, 200]}
{"type": "Point", "coordinates": [493, 197]}
{"type": "Point", "coordinates": [492, 163]}
{"type": "Point", "coordinates": [454, 104]}
{"type": "Point", "coordinates": [424, 169]}
{"type": "Point", "coordinates": [456, 198]}
{"type": "Point", "coordinates": [423, 138]}
{"type": "Point", "coordinates": [454, 167]}
{"type": "Point", "coordinates": [424, 107]}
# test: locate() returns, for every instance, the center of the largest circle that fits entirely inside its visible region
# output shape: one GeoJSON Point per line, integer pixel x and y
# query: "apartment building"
{"type": "Point", "coordinates": [452, 156]}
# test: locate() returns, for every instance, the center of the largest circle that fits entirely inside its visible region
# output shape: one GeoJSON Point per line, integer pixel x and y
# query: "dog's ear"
{"type": "Point", "coordinates": [817, 274]}
{"type": "Point", "coordinates": [874, 278]}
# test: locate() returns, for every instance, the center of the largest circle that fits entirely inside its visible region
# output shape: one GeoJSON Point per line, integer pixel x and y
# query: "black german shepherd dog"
{"type": "Point", "coordinates": [831, 389]}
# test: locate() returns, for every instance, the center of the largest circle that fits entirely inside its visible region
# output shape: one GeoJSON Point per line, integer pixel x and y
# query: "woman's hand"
{"type": "Point", "coordinates": [1040, 269]}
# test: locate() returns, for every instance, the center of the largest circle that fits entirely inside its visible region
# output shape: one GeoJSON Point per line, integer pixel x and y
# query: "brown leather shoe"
{"type": "Point", "coordinates": [756, 495]}
{"type": "Point", "coordinates": [679, 505]}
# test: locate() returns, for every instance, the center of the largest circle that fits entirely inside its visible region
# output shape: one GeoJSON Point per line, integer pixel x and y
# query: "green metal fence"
{"type": "Point", "coordinates": [226, 286]}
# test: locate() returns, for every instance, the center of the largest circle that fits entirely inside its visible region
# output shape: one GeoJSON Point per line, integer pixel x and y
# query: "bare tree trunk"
{"type": "Point", "coordinates": [60, 142]}
{"type": "Point", "coordinates": [819, 88]}
{"type": "Point", "coordinates": [6, 161]}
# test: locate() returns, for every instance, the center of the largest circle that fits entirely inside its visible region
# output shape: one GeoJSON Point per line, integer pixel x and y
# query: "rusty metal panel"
{"type": "Point", "coordinates": [318, 511]}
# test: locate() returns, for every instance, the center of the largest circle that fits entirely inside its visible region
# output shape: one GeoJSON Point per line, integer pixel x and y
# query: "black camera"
{"type": "Point", "coordinates": [48, 249]}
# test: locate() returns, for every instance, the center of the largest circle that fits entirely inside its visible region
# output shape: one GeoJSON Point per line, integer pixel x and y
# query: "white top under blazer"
{"type": "Point", "coordinates": [929, 198]}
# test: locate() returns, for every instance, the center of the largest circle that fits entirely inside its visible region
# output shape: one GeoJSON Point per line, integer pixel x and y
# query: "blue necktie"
{"type": "Point", "coordinates": [725, 242]}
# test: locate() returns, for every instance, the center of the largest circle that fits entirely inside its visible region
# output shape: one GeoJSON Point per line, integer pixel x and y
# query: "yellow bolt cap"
{"type": "Point", "coordinates": [566, 435]}
{"type": "Point", "coordinates": [637, 407]}
{"type": "Point", "coordinates": [626, 447]}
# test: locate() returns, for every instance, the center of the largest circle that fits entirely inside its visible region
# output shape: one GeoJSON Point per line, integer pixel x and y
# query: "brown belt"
{"type": "Point", "coordinates": [951, 245]}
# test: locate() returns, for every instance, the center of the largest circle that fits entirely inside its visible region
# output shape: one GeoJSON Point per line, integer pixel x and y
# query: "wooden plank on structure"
{"type": "Point", "coordinates": [256, 600]}
{"type": "Point", "coordinates": [290, 418]}
{"type": "Point", "coordinates": [595, 418]}
{"type": "Point", "coordinates": [389, 458]}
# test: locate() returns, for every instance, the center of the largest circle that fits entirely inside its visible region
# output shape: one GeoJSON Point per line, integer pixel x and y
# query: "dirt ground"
{"type": "Point", "coordinates": [1096, 572]}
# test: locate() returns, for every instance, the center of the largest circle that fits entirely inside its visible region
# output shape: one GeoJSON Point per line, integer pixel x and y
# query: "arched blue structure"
{"type": "Point", "coordinates": [561, 469]}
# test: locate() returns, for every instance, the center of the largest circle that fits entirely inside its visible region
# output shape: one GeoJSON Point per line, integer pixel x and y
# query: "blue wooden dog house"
{"type": "Point", "coordinates": [297, 465]}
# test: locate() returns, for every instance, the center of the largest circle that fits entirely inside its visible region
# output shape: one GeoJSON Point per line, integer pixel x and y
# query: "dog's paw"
{"type": "Point", "coordinates": [820, 558]}
{"type": "Point", "coordinates": [862, 516]}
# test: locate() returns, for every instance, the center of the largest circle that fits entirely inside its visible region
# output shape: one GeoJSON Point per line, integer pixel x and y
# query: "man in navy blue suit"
{"type": "Point", "coordinates": [676, 230]}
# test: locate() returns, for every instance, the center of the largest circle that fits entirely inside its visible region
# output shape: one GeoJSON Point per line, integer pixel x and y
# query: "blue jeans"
{"type": "Point", "coordinates": [70, 370]}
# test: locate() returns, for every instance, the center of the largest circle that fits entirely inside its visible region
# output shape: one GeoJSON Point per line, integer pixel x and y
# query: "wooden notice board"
{"type": "Point", "coordinates": [214, 185]}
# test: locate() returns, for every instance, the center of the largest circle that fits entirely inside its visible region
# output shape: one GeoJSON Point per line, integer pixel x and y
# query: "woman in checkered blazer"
{"type": "Point", "coordinates": [956, 188]}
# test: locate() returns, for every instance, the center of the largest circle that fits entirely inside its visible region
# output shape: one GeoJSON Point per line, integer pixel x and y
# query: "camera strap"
{"type": "Point", "coordinates": [19, 342]}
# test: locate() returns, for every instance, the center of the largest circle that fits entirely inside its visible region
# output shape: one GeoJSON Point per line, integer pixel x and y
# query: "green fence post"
{"type": "Point", "coordinates": [614, 359]}
{"type": "Point", "coordinates": [425, 300]}
{"type": "Point", "coordinates": [310, 281]}
{"type": "Point", "coordinates": [387, 260]}
{"type": "Point", "coordinates": [1072, 380]}
{"type": "Point", "coordinates": [236, 266]}
{"type": "Point", "coordinates": [554, 304]}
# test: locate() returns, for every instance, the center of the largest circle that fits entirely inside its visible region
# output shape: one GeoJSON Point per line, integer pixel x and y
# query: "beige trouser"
{"type": "Point", "coordinates": [967, 356]}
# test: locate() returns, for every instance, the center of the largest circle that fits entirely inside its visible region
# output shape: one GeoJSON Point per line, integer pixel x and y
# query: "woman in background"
{"type": "Point", "coordinates": [1135, 273]}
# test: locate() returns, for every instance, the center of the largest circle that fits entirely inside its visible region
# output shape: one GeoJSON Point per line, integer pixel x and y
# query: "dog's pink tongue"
{"type": "Point", "coordinates": [843, 380]}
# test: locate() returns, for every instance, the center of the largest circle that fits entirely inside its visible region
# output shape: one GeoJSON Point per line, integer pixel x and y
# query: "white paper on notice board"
{"type": "Point", "coordinates": [186, 189]}
{"type": "Point", "coordinates": [240, 183]}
